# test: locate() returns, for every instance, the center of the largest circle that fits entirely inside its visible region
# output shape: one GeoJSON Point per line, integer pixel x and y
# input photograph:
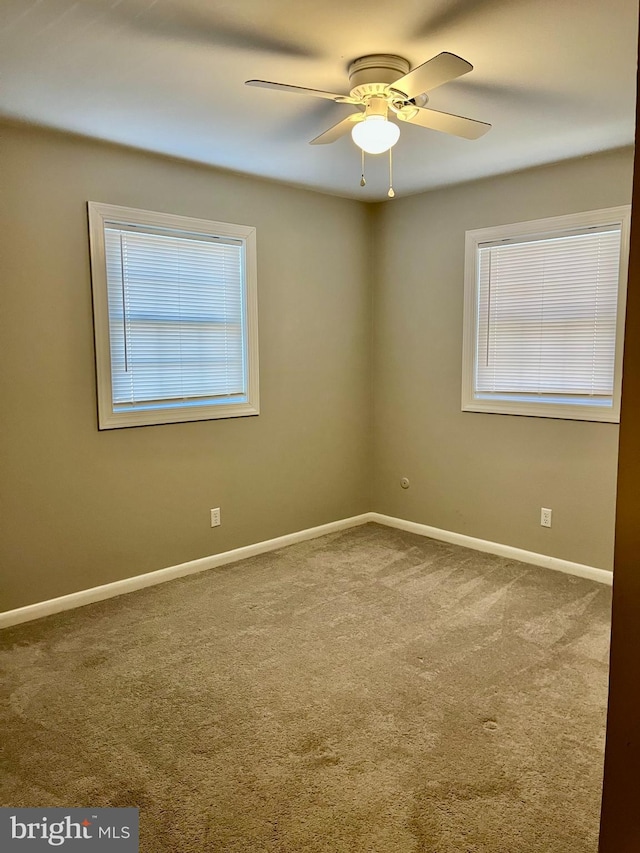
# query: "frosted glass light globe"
{"type": "Point", "coordinates": [375, 134]}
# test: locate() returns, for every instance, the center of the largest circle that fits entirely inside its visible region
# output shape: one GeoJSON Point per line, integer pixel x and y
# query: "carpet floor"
{"type": "Point", "coordinates": [371, 691]}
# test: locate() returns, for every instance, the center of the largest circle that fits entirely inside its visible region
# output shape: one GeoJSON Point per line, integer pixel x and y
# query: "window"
{"type": "Point", "coordinates": [544, 315]}
{"type": "Point", "coordinates": [175, 317]}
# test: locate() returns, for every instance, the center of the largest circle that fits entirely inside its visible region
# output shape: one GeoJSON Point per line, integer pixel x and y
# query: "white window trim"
{"type": "Point", "coordinates": [101, 214]}
{"type": "Point", "coordinates": [526, 230]}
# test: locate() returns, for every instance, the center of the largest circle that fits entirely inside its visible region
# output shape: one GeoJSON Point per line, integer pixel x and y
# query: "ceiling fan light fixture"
{"type": "Point", "coordinates": [379, 83]}
{"type": "Point", "coordinates": [375, 134]}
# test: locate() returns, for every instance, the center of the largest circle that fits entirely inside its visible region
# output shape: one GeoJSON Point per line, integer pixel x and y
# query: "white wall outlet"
{"type": "Point", "coordinates": [545, 517]}
{"type": "Point", "coordinates": [215, 517]}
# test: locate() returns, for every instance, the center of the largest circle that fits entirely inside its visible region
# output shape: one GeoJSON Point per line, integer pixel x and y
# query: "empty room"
{"type": "Point", "coordinates": [310, 452]}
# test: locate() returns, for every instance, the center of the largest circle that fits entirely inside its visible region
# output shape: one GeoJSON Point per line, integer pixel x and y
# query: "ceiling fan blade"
{"type": "Point", "coordinates": [468, 128]}
{"type": "Point", "coordinates": [442, 68]}
{"type": "Point", "coordinates": [343, 127]}
{"type": "Point", "coordinates": [300, 90]}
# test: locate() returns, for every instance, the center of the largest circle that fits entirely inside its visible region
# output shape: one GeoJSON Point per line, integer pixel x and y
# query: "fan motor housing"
{"type": "Point", "coordinates": [372, 75]}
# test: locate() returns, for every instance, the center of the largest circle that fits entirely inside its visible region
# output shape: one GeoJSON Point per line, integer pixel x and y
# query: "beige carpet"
{"type": "Point", "coordinates": [371, 692]}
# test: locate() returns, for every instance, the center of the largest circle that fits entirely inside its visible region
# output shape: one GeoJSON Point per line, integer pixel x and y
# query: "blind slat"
{"type": "Point", "coordinates": [547, 313]}
{"type": "Point", "coordinates": [176, 316]}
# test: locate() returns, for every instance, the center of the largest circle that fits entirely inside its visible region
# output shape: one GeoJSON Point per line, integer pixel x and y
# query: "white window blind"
{"type": "Point", "coordinates": [544, 316]}
{"type": "Point", "coordinates": [175, 318]}
{"type": "Point", "coordinates": [547, 313]}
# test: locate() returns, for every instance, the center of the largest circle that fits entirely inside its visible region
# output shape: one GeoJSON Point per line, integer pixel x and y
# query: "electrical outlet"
{"type": "Point", "coordinates": [215, 517]}
{"type": "Point", "coordinates": [545, 517]}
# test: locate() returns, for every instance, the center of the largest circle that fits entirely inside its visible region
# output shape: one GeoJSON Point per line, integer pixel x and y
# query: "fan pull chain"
{"type": "Point", "coordinates": [363, 182]}
{"type": "Point", "coordinates": [391, 192]}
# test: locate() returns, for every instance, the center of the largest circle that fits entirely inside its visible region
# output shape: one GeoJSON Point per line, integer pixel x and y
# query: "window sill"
{"type": "Point", "coordinates": [561, 411]}
{"type": "Point", "coordinates": [151, 417]}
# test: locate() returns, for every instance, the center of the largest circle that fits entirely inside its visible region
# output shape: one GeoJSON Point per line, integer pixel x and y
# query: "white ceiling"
{"type": "Point", "coordinates": [555, 78]}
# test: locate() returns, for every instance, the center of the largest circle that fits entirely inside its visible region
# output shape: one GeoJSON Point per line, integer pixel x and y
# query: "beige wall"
{"type": "Point", "coordinates": [82, 507]}
{"type": "Point", "coordinates": [482, 475]}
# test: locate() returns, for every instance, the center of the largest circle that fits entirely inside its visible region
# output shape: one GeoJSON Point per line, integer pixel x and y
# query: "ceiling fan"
{"type": "Point", "coordinates": [382, 85]}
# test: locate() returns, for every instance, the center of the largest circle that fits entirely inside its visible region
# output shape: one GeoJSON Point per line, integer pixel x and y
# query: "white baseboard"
{"type": "Point", "coordinates": [555, 563]}
{"type": "Point", "coordinates": [111, 590]}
